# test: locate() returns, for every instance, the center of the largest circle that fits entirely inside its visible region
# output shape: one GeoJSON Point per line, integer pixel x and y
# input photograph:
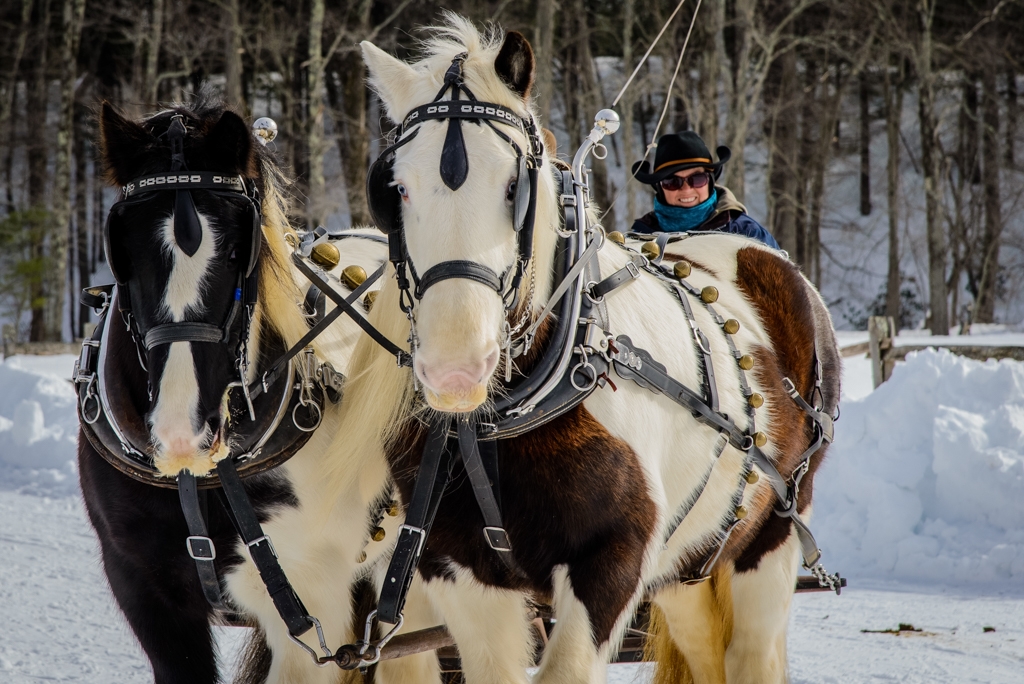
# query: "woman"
{"type": "Point", "coordinates": [686, 197]}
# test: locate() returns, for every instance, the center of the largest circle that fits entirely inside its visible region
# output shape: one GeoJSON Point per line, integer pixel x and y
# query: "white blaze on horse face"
{"type": "Point", "coordinates": [176, 426]}
{"type": "Point", "coordinates": [458, 321]}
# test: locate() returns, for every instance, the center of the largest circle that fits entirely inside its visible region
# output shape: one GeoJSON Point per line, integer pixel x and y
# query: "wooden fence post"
{"type": "Point", "coordinates": [881, 330]}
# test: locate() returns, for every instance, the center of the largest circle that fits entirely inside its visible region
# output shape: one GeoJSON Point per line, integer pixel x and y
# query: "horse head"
{"type": "Point", "coordinates": [454, 193]}
{"type": "Point", "coordinates": [186, 260]}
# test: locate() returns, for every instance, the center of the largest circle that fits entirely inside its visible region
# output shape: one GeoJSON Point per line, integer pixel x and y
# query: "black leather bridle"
{"type": "Point", "coordinates": [385, 201]}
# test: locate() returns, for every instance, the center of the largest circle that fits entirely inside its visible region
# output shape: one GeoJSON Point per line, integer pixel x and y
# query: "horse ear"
{"type": "Point", "coordinates": [230, 142]}
{"type": "Point", "coordinates": [391, 78]}
{"type": "Point", "coordinates": [515, 63]}
{"type": "Point", "coordinates": [123, 143]}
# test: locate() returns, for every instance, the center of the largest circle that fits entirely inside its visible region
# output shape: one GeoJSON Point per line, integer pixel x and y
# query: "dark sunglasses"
{"type": "Point", "coordinates": [697, 180]}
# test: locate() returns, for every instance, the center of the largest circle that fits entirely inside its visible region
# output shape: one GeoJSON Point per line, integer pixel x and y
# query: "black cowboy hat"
{"type": "Point", "coordinates": [678, 151]}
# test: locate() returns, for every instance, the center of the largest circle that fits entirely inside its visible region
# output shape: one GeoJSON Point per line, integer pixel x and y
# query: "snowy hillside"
{"type": "Point", "coordinates": [920, 505]}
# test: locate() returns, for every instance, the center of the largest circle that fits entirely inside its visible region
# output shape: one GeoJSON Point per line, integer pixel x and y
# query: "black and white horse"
{"type": "Point", "coordinates": [625, 493]}
{"type": "Point", "coordinates": [208, 298]}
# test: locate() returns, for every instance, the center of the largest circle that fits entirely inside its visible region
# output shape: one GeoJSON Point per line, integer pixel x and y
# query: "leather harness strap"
{"type": "Point", "coordinates": [262, 552]}
{"type": "Point", "coordinates": [482, 472]}
{"type": "Point", "coordinates": [199, 545]}
{"type": "Point", "coordinates": [431, 480]}
{"type": "Point", "coordinates": [402, 356]}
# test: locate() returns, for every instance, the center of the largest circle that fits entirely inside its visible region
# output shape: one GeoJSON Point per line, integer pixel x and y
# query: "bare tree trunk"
{"type": "Point", "coordinates": [543, 45]}
{"type": "Point", "coordinates": [354, 138]}
{"type": "Point", "coordinates": [937, 245]}
{"type": "Point", "coordinates": [969, 162]}
{"type": "Point", "coordinates": [809, 113]}
{"type": "Point", "coordinates": [73, 11]}
{"type": "Point", "coordinates": [710, 68]}
{"type": "Point", "coordinates": [572, 79]}
{"type": "Point", "coordinates": [156, 27]}
{"type": "Point", "coordinates": [315, 73]}
{"type": "Point", "coordinates": [740, 105]}
{"type": "Point", "coordinates": [35, 144]}
{"type": "Point", "coordinates": [893, 112]}
{"type": "Point", "coordinates": [1011, 115]}
{"type": "Point", "coordinates": [9, 92]}
{"type": "Point", "coordinates": [865, 145]}
{"type": "Point", "coordinates": [984, 311]}
{"type": "Point", "coordinates": [81, 217]}
{"type": "Point", "coordinates": [233, 54]}
{"type": "Point", "coordinates": [626, 107]}
{"type": "Point", "coordinates": [780, 95]}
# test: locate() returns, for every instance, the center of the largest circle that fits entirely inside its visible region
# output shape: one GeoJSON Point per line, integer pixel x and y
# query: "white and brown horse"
{"type": "Point", "coordinates": [593, 500]}
{"type": "Point", "coordinates": [178, 267]}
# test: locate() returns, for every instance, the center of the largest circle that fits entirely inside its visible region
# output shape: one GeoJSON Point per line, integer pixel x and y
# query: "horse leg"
{"type": "Point", "coordinates": [490, 627]}
{"type": "Point", "coordinates": [593, 601]}
{"type": "Point", "coordinates": [326, 598]}
{"type": "Point", "coordinates": [761, 600]}
{"type": "Point", "coordinates": [142, 545]}
{"type": "Point", "coordinates": [421, 667]}
{"type": "Point", "coordinates": [691, 628]}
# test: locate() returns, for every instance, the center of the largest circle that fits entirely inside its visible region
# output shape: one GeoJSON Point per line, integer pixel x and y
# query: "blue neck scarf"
{"type": "Point", "coordinates": [681, 219]}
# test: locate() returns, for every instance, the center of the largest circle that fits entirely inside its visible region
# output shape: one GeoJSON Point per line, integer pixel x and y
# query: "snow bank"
{"type": "Point", "coordinates": [925, 481]}
{"type": "Point", "coordinates": [38, 425]}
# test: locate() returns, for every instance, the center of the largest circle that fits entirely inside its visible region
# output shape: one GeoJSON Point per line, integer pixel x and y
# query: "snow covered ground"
{"type": "Point", "coordinates": [920, 505]}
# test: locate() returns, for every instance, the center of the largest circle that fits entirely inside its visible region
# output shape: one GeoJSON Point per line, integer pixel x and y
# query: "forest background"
{"type": "Point", "coordinates": [798, 89]}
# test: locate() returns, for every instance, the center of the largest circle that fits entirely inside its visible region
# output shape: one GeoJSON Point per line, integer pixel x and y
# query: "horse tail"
{"type": "Point", "coordinates": [827, 349]}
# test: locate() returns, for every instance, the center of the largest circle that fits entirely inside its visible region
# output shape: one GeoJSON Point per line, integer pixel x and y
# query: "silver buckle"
{"type": "Point", "coordinates": [415, 530]}
{"type": "Point", "coordinates": [632, 269]}
{"type": "Point", "coordinates": [198, 554]}
{"type": "Point", "coordinates": [497, 538]}
{"type": "Point", "coordinates": [260, 540]}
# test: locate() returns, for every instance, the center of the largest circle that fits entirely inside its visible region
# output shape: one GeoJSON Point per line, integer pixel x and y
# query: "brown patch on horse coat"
{"type": "Point", "coordinates": [571, 494]}
{"type": "Point", "coordinates": [778, 293]}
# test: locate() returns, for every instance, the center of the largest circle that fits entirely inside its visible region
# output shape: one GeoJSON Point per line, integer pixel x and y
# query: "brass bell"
{"type": "Point", "coordinates": [325, 255]}
{"type": "Point", "coordinates": [369, 298]}
{"type": "Point", "coordinates": [760, 439]}
{"type": "Point", "coordinates": [681, 269]}
{"type": "Point", "coordinates": [392, 510]}
{"type": "Point", "coordinates": [378, 534]}
{"type": "Point", "coordinates": [756, 400]}
{"type": "Point", "coordinates": [650, 250]}
{"type": "Point", "coordinates": [746, 362]}
{"type": "Point", "coordinates": [731, 326]}
{"type": "Point", "coordinates": [362, 557]}
{"type": "Point", "coordinates": [617, 237]}
{"type": "Point", "coordinates": [353, 276]}
{"type": "Point", "coordinates": [752, 477]}
{"type": "Point", "coordinates": [709, 294]}
{"type": "Point", "coordinates": [741, 512]}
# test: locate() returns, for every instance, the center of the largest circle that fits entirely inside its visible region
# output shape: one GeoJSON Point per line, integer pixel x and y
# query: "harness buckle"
{"type": "Point", "coordinates": [200, 548]}
{"type": "Point", "coordinates": [260, 540]}
{"type": "Point", "coordinates": [415, 530]}
{"type": "Point", "coordinates": [497, 539]}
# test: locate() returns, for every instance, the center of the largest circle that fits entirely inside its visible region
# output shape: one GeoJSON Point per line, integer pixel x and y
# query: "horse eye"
{"type": "Point", "coordinates": [402, 191]}
{"type": "Point", "coordinates": [511, 193]}
{"type": "Point", "coordinates": [234, 254]}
